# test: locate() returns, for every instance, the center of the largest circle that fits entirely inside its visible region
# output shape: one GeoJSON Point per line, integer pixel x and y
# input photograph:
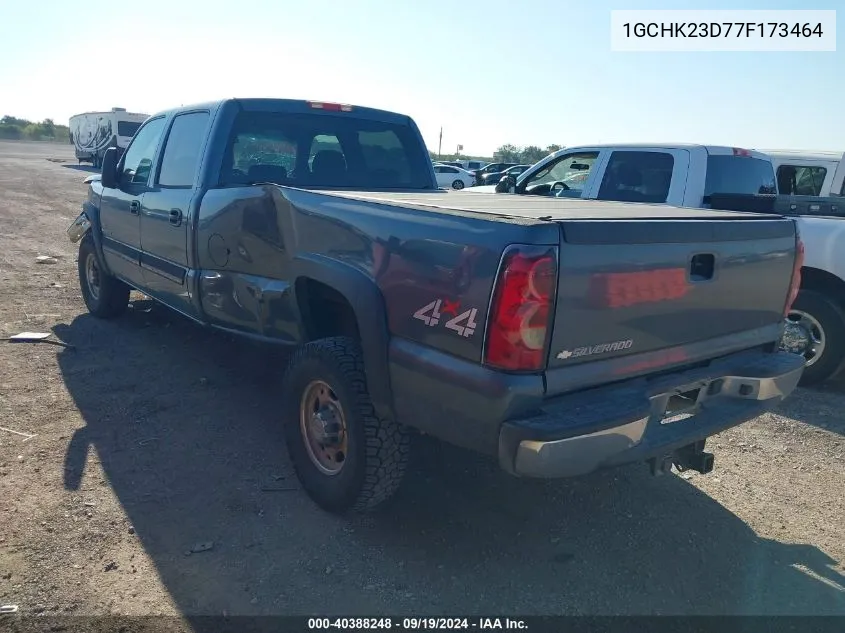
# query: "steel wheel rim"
{"type": "Point", "coordinates": [323, 427]}
{"type": "Point", "coordinates": [804, 335]}
{"type": "Point", "coordinates": [92, 276]}
{"type": "Point", "coordinates": [458, 184]}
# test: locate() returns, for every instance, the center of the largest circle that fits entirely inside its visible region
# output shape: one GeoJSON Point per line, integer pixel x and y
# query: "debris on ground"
{"type": "Point", "coordinates": [202, 547]}
{"type": "Point", "coordinates": [8, 608]}
{"type": "Point", "coordinates": [26, 436]}
{"type": "Point", "coordinates": [46, 259]}
{"type": "Point", "coordinates": [36, 337]}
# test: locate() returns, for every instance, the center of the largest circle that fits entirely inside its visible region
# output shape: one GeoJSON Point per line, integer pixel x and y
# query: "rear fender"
{"type": "Point", "coordinates": [362, 293]}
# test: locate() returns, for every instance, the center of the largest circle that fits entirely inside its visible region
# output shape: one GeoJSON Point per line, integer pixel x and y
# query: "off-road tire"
{"type": "Point", "coordinates": [831, 318]}
{"type": "Point", "coordinates": [112, 299]}
{"type": "Point", "coordinates": [377, 449]}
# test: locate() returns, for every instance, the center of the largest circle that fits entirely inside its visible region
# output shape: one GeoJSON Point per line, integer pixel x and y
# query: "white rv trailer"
{"type": "Point", "coordinates": [92, 133]}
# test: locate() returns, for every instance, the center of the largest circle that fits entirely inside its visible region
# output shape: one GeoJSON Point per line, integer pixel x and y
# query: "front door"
{"type": "Point", "coordinates": [166, 212]}
{"type": "Point", "coordinates": [120, 208]}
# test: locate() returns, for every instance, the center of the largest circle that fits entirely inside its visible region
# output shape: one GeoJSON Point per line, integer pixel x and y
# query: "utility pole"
{"type": "Point", "coordinates": [440, 143]}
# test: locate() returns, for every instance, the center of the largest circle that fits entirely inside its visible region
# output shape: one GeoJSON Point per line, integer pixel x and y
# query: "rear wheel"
{"type": "Point", "coordinates": [346, 458]}
{"type": "Point", "coordinates": [104, 296]}
{"type": "Point", "coordinates": [815, 328]}
{"type": "Point", "coordinates": [458, 184]}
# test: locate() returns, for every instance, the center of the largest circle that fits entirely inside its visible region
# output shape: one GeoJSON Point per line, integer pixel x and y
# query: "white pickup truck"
{"type": "Point", "coordinates": [681, 175]}
{"type": "Point", "coordinates": [687, 175]}
{"type": "Point", "coordinates": [811, 187]}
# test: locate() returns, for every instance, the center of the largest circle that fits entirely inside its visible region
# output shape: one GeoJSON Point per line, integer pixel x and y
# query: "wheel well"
{"type": "Point", "coordinates": [325, 312]}
{"type": "Point", "coordinates": [824, 282]}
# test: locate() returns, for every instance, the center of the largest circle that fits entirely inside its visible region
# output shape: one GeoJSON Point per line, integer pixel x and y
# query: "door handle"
{"type": "Point", "coordinates": [176, 217]}
{"type": "Point", "coordinates": [135, 207]}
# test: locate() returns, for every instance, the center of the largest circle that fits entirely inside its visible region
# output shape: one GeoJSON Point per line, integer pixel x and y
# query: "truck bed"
{"type": "Point", "coordinates": [541, 208]}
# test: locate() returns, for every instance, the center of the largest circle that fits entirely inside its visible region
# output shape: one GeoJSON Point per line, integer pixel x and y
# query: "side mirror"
{"type": "Point", "coordinates": [505, 184]}
{"type": "Point", "coordinates": [109, 177]}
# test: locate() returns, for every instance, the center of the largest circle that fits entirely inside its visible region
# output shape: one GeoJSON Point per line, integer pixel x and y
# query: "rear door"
{"type": "Point", "coordinates": [649, 175]}
{"type": "Point", "coordinates": [165, 217]}
{"type": "Point", "coordinates": [120, 208]}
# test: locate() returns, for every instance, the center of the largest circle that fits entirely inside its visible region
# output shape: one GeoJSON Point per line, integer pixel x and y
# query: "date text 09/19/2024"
{"type": "Point", "coordinates": [416, 624]}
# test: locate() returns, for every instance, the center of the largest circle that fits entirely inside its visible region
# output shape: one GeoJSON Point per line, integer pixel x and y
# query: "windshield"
{"type": "Point", "coordinates": [313, 150]}
{"type": "Point", "coordinates": [739, 175]}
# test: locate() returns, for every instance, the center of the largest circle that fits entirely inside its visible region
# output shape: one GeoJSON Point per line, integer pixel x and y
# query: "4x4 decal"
{"type": "Point", "coordinates": [463, 323]}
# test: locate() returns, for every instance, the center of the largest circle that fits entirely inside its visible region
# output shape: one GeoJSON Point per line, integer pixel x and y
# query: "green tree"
{"type": "Point", "coordinates": [9, 131]}
{"type": "Point", "coordinates": [508, 153]}
{"type": "Point", "coordinates": [551, 149]}
{"type": "Point", "coordinates": [531, 154]}
{"type": "Point", "coordinates": [10, 120]}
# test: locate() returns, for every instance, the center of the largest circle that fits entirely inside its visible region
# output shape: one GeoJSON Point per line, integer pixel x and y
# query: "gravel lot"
{"type": "Point", "coordinates": [154, 438]}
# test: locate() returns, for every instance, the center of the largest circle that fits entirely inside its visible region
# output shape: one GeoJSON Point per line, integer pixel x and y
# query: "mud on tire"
{"type": "Point", "coordinates": [377, 450]}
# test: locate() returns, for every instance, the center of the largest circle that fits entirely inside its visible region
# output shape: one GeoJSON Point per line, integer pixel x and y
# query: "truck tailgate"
{"type": "Point", "coordinates": [628, 287]}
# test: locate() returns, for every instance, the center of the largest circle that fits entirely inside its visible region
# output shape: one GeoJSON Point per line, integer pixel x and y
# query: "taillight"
{"type": "Point", "coordinates": [795, 284]}
{"type": "Point", "coordinates": [331, 107]}
{"type": "Point", "coordinates": [521, 309]}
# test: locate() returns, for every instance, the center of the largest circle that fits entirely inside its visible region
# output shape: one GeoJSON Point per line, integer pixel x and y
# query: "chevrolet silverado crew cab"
{"type": "Point", "coordinates": [557, 336]}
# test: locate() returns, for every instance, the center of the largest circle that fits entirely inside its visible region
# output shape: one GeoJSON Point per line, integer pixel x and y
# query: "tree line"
{"type": "Point", "coordinates": [15, 128]}
{"type": "Point", "coordinates": [506, 153]}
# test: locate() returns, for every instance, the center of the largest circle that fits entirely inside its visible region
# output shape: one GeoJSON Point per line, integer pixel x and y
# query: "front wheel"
{"type": "Point", "coordinates": [104, 296]}
{"type": "Point", "coordinates": [458, 184]}
{"type": "Point", "coordinates": [345, 456]}
{"type": "Point", "coordinates": [815, 328]}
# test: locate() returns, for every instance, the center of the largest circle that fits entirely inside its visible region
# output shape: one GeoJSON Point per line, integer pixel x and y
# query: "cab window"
{"type": "Point", "coordinates": [637, 176]}
{"type": "Point", "coordinates": [567, 176]}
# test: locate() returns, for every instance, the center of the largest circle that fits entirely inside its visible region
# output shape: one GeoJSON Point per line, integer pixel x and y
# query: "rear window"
{"type": "Point", "coordinates": [739, 175]}
{"type": "Point", "coordinates": [127, 128]}
{"type": "Point", "coordinates": [801, 180]}
{"type": "Point", "coordinates": [314, 150]}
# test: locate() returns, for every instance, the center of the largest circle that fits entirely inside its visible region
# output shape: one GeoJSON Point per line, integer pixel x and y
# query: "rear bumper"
{"type": "Point", "coordinates": [627, 424]}
{"type": "Point", "coordinates": [511, 416]}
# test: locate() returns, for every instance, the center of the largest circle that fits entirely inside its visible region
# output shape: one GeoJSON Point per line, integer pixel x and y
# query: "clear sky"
{"type": "Point", "coordinates": [489, 72]}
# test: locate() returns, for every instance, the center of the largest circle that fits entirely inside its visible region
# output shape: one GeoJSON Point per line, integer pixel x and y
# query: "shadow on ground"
{"type": "Point", "coordinates": [185, 424]}
{"type": "Point", "coordinates": [86, 168]}
{"type": "Point", "coordinates": [818, 405]}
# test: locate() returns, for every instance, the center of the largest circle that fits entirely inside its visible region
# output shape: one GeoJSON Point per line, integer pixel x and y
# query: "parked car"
{"type": "Point", "coordinates": [811, 187]}
{"type": "Point", "coordinates": [473, 165]}
{"type": "Point", "coordinates": [494, 177]}
{"type": "Point", "coordinates": [556, 336]}
{"type": "Point", "coordinates": [490, 169]}
{"type": "Point", "coordinates": [454, 177]}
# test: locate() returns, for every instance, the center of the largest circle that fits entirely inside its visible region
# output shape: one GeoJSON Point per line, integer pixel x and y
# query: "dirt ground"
{"type": "Point", "coordinates": [157, 482]}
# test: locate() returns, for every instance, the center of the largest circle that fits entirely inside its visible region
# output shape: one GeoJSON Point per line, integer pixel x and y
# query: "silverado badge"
{"type": "Point", "coordinates": [602, 348]}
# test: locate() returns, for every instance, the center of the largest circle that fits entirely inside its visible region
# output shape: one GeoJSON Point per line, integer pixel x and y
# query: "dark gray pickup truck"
{"type": "Point", "coordinates": [557, 335]}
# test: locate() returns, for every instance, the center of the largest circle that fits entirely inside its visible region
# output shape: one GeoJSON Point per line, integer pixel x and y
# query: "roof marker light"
{"type": "Point", "coordinates": [330, 107]}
